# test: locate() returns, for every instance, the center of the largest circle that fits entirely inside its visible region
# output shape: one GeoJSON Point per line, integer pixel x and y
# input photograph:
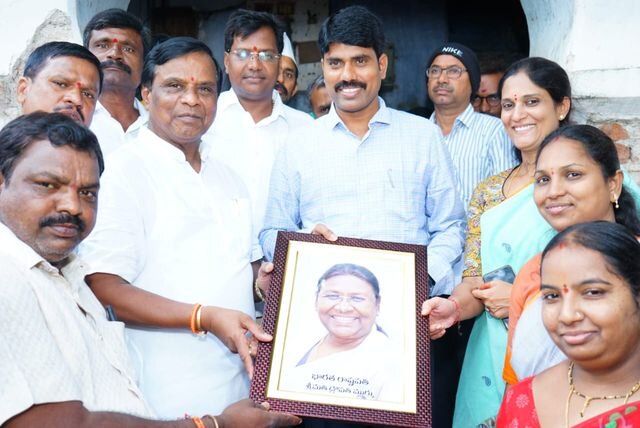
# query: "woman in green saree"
{"type": "Point", "coordinates": [504, 228]}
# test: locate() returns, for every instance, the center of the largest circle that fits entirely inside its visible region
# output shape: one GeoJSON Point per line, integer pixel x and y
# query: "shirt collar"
{"type": "Point", "coordinates": [466, 117]}
{"type": "Point", "coordinates": [166, 149]}
{"type": "Point", "coordinates": [137, 104]}
{"type": "Point", "coordinates": [383, 115]}
{"type": "Point", "coordinates": [229, 98]}
{"type": "Point", "coordinates": [27, 258]}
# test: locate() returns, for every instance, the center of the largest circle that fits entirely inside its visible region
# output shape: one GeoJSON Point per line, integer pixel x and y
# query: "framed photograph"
{"type": "Point", "coordinates": [349, 341]}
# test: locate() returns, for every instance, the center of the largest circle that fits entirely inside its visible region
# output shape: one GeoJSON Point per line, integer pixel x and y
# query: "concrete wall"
{"type": "Point", "coordinates": [596, 41]}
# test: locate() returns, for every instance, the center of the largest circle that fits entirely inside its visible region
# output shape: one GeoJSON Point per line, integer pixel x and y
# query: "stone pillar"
{"type": "Point", "coordinates": [596, 41]}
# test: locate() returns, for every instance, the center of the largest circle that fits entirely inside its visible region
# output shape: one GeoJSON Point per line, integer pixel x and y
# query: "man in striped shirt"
{"type": "Point", "coordinates": [478, 144]}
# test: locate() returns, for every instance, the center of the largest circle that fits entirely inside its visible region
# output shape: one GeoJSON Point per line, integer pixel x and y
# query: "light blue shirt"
{"type": "Point", "coordinates": [396, 184]}
{"type": "Point", "coordinates": [479, 148]}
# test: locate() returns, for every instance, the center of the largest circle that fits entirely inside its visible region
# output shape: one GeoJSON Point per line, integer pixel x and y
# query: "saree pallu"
{"type": "Point", "coordinates": [511, 233]}
{"type": "Point", "coordinates": [519, 410]}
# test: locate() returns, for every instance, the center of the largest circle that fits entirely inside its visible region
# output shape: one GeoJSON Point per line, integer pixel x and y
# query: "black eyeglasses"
{"type": "Point", "coordinates": [453, 72]}
{"type": "Point", "coordinates": [492, 99]}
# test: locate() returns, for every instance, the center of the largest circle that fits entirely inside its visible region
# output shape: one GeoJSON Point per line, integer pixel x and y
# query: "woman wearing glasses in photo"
{"type": "Point", "coordinates": [590, 285]}
{"type": "Point", "coordinates": [355, 348]}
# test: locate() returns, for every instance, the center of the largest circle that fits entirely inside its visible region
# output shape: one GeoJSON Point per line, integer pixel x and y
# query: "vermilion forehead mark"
{"type": "Point", "coordinates": [515, 97]}
{"type": "Point", "coordinates": [78, 85]}
{"type": "Point", "coordinates": [114, 40]}
{"type": "Point", "coordinates": [255, 49]}
{"type": "Point", "coordinates": [565, 289]}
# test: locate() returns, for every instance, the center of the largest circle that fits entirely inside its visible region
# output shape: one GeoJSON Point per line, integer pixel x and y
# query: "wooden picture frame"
{"type": "Point", "coordinates": [340, 351]}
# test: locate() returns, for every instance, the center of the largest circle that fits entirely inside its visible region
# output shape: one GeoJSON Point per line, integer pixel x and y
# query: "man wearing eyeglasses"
{"type": "Point", "coordinates": [487, 99]}
{"type": "Point", "coordinates": [478, 144]}
{"type": "Point", "coordinates": [252, 121]}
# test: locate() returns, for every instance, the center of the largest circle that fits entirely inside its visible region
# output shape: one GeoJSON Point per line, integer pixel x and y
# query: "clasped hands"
{"type": "Point", "coordinates": [443, 313]}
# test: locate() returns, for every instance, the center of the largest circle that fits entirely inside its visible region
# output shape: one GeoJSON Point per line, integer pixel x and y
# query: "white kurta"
{"type": "Point", "coordinates": [250, 148]}
{"type": "Point", "coordinates": [55, 341]}
{"type": "Point", "coordinates": [186, 236]}
{"type": "Point", "coordinates": [109, 131]}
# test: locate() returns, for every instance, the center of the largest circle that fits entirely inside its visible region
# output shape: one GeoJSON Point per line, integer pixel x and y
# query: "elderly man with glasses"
{"type": "Point", "coordinates": [252, 122]}
{"type": "Point", "coordinates": [478, 144]}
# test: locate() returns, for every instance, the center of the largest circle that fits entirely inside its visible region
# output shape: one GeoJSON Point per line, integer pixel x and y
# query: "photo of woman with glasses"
{"type": "Point", "coordinates": [355, 358]}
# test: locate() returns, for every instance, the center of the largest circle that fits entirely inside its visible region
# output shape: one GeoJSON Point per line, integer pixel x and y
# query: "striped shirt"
{"type": "Point", "coordinates": [479, 148]}
{"type": "Point", "coordinates": [395, 184]}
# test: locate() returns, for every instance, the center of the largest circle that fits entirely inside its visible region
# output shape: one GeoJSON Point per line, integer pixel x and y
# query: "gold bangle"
{"type": "Point", "coordinates": [192, 321]}
{"type": "Point", "coordinates": [198, 322]}
{"type": "Point", "coordinates": [258, 291]}
{"type": "Point", "coordinates": [213, 418]}
{"type": "Point", "coordinates": [198, 422]}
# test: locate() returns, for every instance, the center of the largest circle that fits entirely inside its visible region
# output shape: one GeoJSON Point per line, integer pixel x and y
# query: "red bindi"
{"type": "Point", "coordinates": [114, 40]}
{"type": "Point", "coordinates": [565, 290]}
{"type": "Point", "coordinates": [255, 49]}
{"type": "Point", "coordinates": [78, 85]}
{"type": "Point", "coordinates": [515, 97]}
{"type": "Point", "coordinates": [192, 79]}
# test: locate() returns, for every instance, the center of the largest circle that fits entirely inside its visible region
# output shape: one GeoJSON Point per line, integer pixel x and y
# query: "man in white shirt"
{"type": "Point", "coordinates": [174, 225]}
{"type": "Point", "coordinates": [61, 77]}
{"type": "Point", "coordinates": [120, 41]}
{"type": "Point", "coordinates": [63, 363]}
{"type": "Point", "coordinates": [252, 121]}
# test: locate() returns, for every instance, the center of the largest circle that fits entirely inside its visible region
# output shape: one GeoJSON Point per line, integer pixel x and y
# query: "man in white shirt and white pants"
{"type": "Point", "coordinates": [252, 122]}
{"type": "Point", "coordinates": [174, 225]}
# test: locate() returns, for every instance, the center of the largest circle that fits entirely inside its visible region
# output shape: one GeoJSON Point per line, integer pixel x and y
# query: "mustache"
{"type": "Point", "coordinates": [63, 219]}
{"type": "Point", "coordinates": [350, 84]}
{"type": "Point", "coordinates": [280, 88]}
{"type": "Point", "coordinates": [444, 86]}
{"type": "Point", "coordinates": [117, 64]}
{"type": "Point", "coordinates": [69, 107]}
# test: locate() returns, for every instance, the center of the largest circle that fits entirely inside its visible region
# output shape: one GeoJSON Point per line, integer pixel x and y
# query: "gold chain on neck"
{"type": "Point", "coordinates": [588, 399]}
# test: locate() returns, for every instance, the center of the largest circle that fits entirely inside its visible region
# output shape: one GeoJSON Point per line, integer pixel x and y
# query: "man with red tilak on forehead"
{"type": "Point", "coordinates": [61, 77]}
{"type": "Point", "coordinates": [120, 41]}
{"type": "Point", "coordinates": [252, 121]}
{"type": "Point", "coordinates": [172, 244]}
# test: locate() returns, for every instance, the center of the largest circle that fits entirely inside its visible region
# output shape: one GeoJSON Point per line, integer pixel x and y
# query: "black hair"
{"type": "Point", "coordinates": [546, 74]}
{"type": "Point", "coordinates": [243, 23]}
{"type": "Point", "coordinates": [617, 245]}
{"type": "Point", "coordinates": [172, 48]}
{"type": "Point", "coordinates": [43, 53]}
{"type": "Point", "coordinates": [117, 18]}
{"type": "Point", "coordinates": [493, 62]}
{"type": "Point", "coordinates": [355, 26]}
{"type": "Point", "coordinates": [352, 270]}
{"type": "Point", "coordinates": [602, 151]}
{"type": "Point", "coordinates": [318, 82]}
{"type": "Point", "coordinates": [58, 128]}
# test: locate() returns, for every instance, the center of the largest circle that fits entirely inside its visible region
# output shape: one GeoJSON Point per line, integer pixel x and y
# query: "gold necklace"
{"type": "Point", "coordinates": [588, 399]}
